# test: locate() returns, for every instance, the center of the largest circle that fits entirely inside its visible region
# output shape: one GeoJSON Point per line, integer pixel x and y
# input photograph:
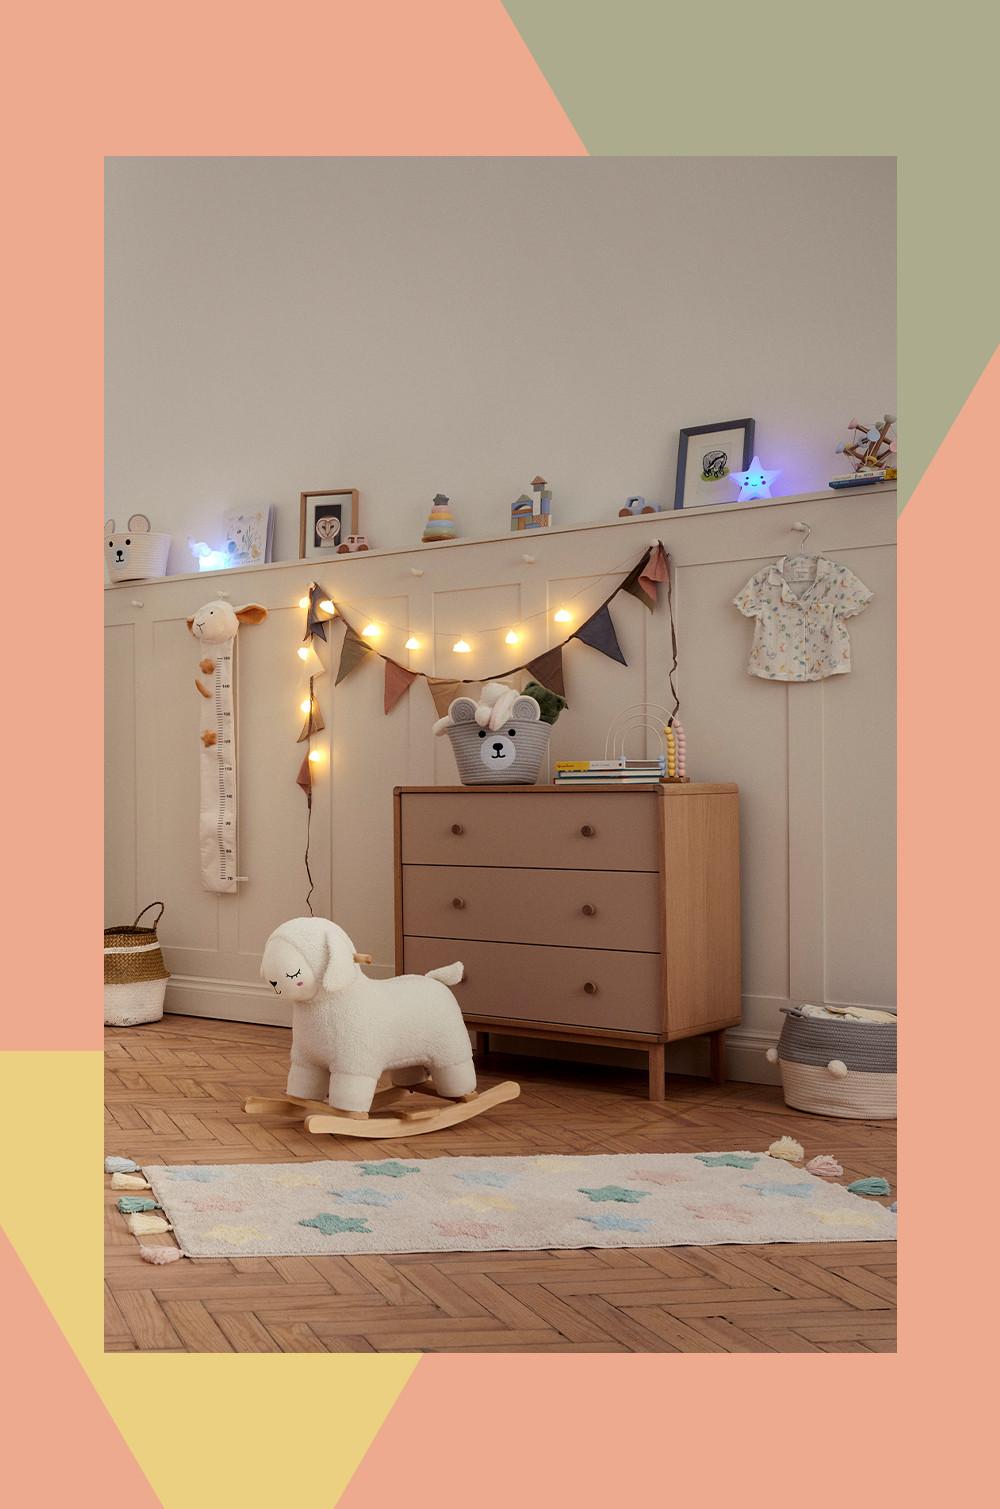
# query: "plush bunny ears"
{"type": "Point", "coordinates": [137, 524]}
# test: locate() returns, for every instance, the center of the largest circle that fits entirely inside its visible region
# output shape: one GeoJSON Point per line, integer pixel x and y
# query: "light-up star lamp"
{"type": "Point", "coordinates": [755, 482]}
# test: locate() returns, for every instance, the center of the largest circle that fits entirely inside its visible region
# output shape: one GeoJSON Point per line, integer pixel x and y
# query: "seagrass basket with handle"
{"type": "Point", "coordinates": [135, 977]}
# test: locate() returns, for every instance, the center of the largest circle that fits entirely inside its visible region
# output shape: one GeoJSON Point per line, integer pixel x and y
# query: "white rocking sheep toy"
{"type": "Point", "coordinates": [347, 1031]}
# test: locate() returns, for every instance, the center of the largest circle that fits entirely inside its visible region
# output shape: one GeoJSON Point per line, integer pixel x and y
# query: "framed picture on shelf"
{"type": "Point", "coordinates": [706, 454]}
{"type": "Point", "coordinates": [326, 519]}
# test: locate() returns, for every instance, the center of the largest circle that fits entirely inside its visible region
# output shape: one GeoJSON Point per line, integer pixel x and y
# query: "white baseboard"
{"type": "Point", "coordinates": [249, 1001]}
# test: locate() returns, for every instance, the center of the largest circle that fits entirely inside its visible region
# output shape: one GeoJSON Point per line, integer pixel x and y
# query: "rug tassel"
{"type": "Point", "coordinates": [142, 1225]}
{"type": "Point", "coordinates": [116, 1165]}
{"type": "Point", "coordinates": [129, 1181]}
{"type": "Point", "coordinates": [159, 1254]}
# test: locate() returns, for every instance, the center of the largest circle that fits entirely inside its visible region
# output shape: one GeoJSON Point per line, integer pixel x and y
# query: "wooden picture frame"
{"type": "Point", "coordinates": [338, 504]}
{"type": "Point", "coordinates": [727, 433]}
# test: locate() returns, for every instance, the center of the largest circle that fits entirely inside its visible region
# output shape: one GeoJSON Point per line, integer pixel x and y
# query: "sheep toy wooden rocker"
{"type": "Point", "coordinates": [348, 1031]}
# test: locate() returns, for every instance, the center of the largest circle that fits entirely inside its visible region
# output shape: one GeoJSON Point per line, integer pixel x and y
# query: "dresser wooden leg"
{"type": "Point", "coordinates": [480, 1044]}
{"type": "Point", "coordinates": [657, 1072]}
{"type": "Point", "coordinates": [717, 1057]}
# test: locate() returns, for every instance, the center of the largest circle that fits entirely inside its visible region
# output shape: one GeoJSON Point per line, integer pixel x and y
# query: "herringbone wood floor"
{"type": "Point", "coordinates": [174, 1095]}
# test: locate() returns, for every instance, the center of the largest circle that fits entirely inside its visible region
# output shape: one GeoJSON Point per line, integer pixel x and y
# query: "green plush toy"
{"type": "Point", "coordinates": [551, 703]}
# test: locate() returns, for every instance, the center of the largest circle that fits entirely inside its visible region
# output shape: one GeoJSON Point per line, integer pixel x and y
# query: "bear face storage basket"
{"type": "Point", "coordinates": [135, 978]}
{"type": "Point", "coordinates": [510, 757]}
{"type": "Point", "coordinates": [838, 1068]}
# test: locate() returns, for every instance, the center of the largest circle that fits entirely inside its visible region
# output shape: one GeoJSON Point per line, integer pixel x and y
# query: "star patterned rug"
{"type": "Point", "coordinates": [507, 1204]}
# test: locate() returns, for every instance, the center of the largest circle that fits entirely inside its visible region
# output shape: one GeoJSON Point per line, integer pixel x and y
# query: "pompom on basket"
{"type": "Point", "coordinates": [836, 1068]}
{"type": "Point", "coordinates": [135, 977]}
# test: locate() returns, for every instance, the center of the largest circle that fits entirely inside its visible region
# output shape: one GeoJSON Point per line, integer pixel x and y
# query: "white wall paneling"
{"type": "Point", "coordinates": [815, 763]}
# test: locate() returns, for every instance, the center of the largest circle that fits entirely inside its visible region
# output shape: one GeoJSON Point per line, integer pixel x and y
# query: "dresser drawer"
{"type": "Point", "coordinates": [521, 982]}
{"type": "Point", "coordinates": [571, 908]}
{"type": "Point", "coordinates": [610, 830]}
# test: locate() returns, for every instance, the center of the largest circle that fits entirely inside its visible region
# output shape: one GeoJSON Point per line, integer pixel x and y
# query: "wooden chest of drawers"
{"type": "Point", "coordinates": [611, 913]}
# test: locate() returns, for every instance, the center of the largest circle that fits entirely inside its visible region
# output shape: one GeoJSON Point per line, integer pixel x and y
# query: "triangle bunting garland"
{"type": "Point", "coordinates": [599, 633]}
{"type": "Point", "coordinates": [656, 570]}
{"type": "Point", "coordinates": [352, 652]}
{"type": "Point", "coordinates": [398, 681]}
{"type": "Point", "coordinates": [548, 669]}
{"type": "Point", "coordinates": [313, 724]}
{"type": "Point", "coordinates": [443, 692]}
{"type": "Point", "coordinates": [315, 625]}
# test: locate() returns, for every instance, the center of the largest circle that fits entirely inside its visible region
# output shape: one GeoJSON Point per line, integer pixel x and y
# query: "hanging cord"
{"type": "Point", "coordinates": [309, 807]}
{"type": "Point", "coordinates": [673, 638]}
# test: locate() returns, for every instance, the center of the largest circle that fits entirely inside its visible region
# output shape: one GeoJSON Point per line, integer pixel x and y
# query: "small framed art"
{"type": "Point", "coordinates": [706, 454]}
{"type": "Point", "coordinates": [326, 519]}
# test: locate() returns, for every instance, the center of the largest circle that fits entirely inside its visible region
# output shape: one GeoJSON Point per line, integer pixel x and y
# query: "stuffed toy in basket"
{"type": "Point", "coordinates": [135, 977]}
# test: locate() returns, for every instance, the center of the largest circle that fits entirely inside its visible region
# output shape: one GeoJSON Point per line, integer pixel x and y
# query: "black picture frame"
{"type": "Point", "coordinates": [724, 426]}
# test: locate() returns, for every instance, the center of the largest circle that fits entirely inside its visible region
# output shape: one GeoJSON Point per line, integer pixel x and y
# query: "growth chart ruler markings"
{"type": "Point", "coordinates": [218, 775]}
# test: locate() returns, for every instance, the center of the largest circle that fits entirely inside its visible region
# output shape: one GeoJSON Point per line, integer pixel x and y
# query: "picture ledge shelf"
{"type": "Point", "coordinates": [534, 538]}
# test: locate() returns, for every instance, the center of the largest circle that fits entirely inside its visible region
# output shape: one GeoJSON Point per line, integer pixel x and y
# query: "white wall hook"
{"type": "Point", "coordinates": [137, 602]}
{"type": "Point", "coordinates": [222, 594]}
{"type": "Point", "coordinates": [416, 571]}
{"type": "Point", "coordinates": [529, 559]}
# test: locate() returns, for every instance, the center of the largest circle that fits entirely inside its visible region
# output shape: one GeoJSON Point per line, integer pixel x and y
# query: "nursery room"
{"type": "Point", "coordinates": [500, 755]}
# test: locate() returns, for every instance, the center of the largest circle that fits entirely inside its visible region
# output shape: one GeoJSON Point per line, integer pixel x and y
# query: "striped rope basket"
{"type": "Point", "coordinates": [135, 977]}
{"type": "Point", "coordinates": [837, 1068]}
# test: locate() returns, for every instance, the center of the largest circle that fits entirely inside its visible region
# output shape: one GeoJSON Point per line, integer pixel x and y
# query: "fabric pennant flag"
{"type": "Point", "coordinates": [398, 681]}
{"type": "Point", "coordinates": [548, 669]}
{"type": "Point", "coordinates": [352, 652]}
{"type": "Point", "coordinates": [444, 692]}
{"type": "Point", "coordinates": [599, 633]}
{"type": "Point", "coordinates": [313, 724]}
{"type": "Point", "coordinates": [304, 777]}
{"type": "Point", "coordinates": [315, 623]}
{"type": "Point", "coordinates": [654, 572]}
{"type": "Point", "coordinates": [631, 582]}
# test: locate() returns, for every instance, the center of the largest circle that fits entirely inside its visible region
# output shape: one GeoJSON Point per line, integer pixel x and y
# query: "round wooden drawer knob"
{"type": "Point", "coordinates": [457, 829]}
{"type": "Point", "coordinates": [590, 988]}
{"type": "Point", "coordinates": [587, 830]}
{"type": "Point", "coordinates": [589, 910]}
{"type": "Point", "coordinates": [458, 903]}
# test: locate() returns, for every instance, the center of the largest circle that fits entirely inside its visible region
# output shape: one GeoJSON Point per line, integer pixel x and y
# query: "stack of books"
{"type": "Point", "coordinates": [620, 772]}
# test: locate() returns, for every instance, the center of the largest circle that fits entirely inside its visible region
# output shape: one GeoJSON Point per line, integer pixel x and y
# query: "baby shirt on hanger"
{"type": "Point", "coordinates": [799, 634]}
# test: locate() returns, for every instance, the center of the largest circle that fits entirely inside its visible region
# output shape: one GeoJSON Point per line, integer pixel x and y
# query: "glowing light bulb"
{"type": "Point", "coordinates": [511, 637]}
{"type": "Point", "coordinates": [303, 602]}
{"type": "Point", "coordinates": [328, 607]}
{"type": "Point", "coordinates": [371, 631]}
{"type": "Point", "coordinates": [314, 757]}
{"type": "Point", "coordinates": [304, 651]}
{"type": "Point", "coordinates": [460, 647]}
{"type": "Point", "coordinates": [306, 706]}
{"type": "Point", "coordinates": [562, 616]}
{"type": "Point", "coordinates": [412, 643]}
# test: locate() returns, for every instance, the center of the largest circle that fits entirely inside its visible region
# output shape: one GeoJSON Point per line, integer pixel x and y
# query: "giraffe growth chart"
{"type": "Point", "coordinates": [215, 626]}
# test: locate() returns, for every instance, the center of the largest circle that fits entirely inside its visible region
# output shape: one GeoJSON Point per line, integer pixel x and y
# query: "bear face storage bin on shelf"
{"type": "Point", "coordinates": [507, 755]}
{"type": "Point", "coordinates": [498, 741]}
{"type": "Point", "coordinates": [135, 977]}
{"type": "Point", "coordinates": [835, 1066]}
{"type": "Point", "coordinates": [135, 553]}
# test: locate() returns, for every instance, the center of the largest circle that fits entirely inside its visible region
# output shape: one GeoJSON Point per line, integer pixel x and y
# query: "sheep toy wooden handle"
{"type": "Point", "coordinates": [363, 959]}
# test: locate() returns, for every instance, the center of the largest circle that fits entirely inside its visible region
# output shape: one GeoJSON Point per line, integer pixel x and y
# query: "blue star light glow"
{"type": "Point", "coordinates": [755, 482]}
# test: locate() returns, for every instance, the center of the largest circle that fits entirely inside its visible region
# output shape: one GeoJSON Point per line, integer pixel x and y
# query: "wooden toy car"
{"type": "Point", "coordinates": [353, 542]}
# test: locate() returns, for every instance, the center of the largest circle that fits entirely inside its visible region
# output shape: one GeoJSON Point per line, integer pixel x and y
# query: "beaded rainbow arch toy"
{"type": "Point", "coordinates": [659, 721]}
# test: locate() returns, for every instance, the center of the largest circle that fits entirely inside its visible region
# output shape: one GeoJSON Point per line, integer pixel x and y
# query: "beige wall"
{"type": "Point", "coordinates": [815, 763]}
{"type": "Point", "coordinates": [420, 325]}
